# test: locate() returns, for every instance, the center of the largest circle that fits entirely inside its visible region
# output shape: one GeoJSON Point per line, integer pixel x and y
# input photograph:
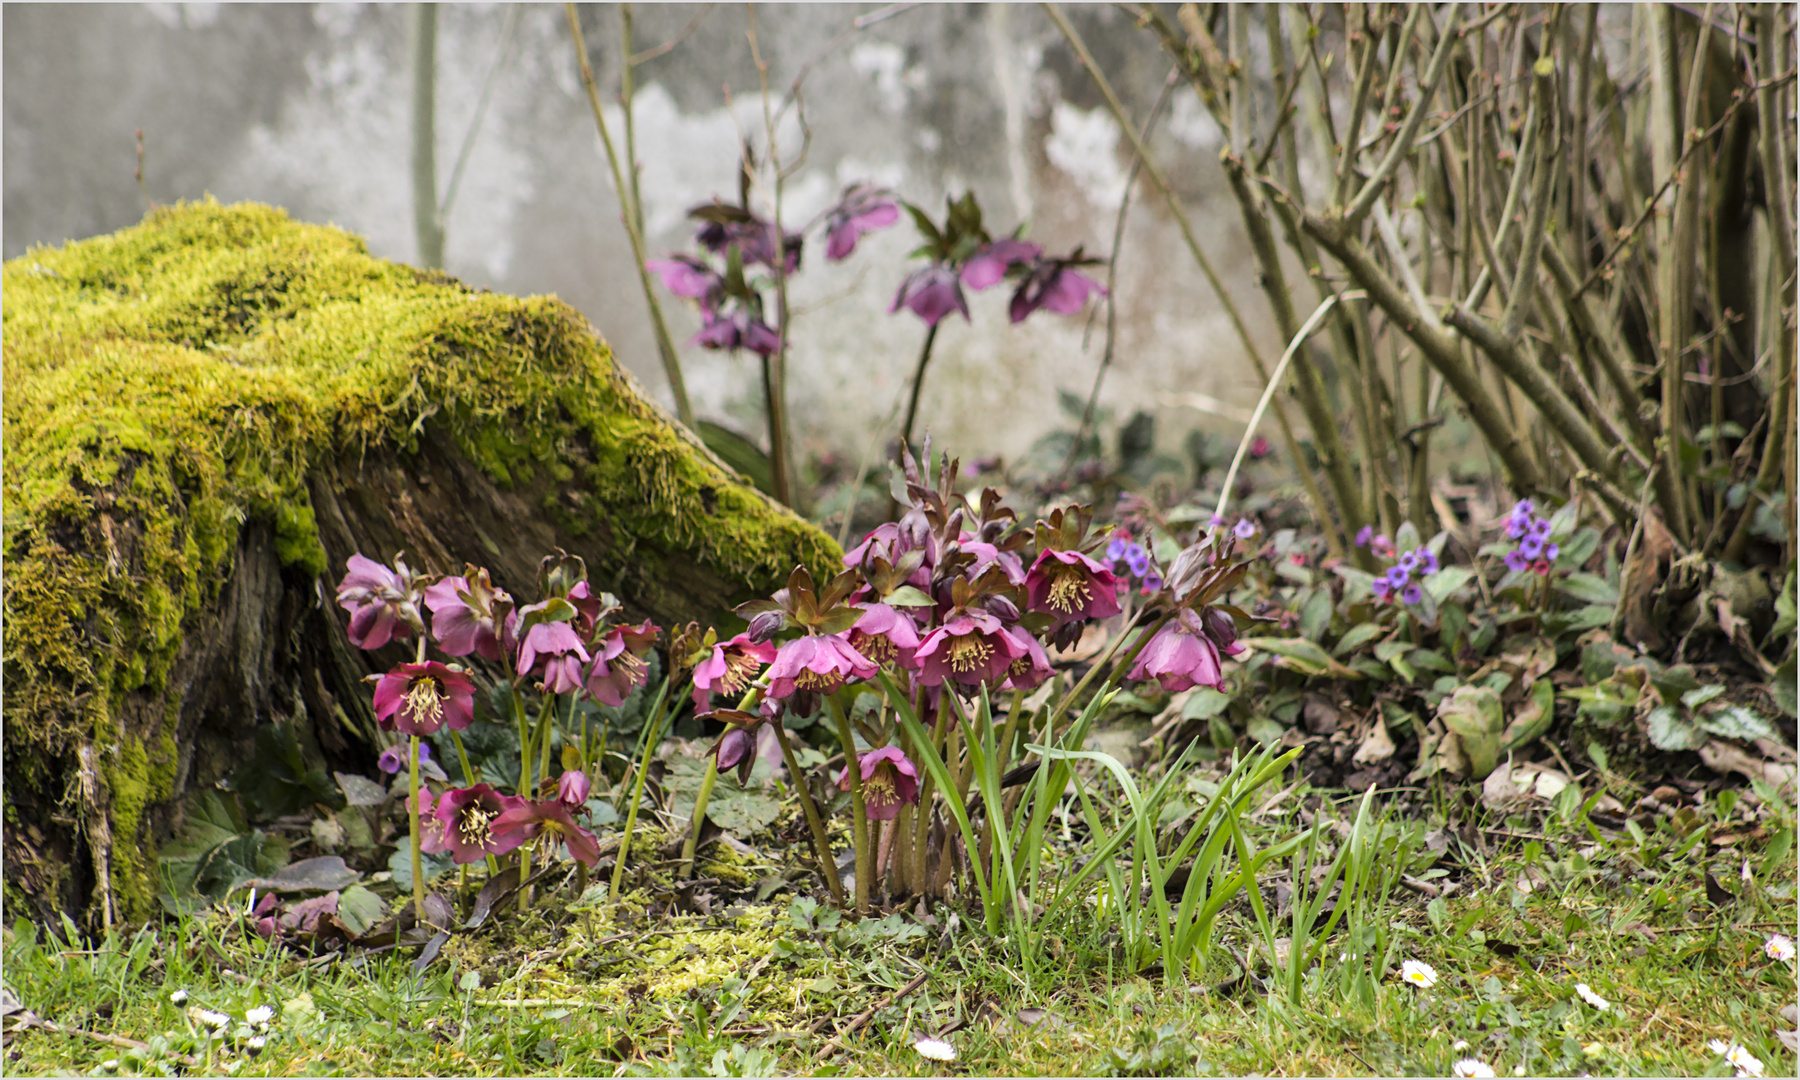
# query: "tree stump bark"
{"type": "Point", "coordinates": [206, 415]}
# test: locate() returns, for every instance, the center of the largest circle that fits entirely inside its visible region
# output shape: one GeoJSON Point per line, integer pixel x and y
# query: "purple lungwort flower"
{"type": "Point", "coordinates": [1412, 594]}
{"type": "Point", "coordinates": [1053, 285]}
{"type": "Point", "coordinates": [931, 293]}
{"type": "Point", "coordinates": [393, 759]}
{"type": "Point", "coordinates": [1397, 577]}
{"type": "Point", "coordinates": [381, 602]}
{"type": "Point", "coordinates": [729, 669]}
{"type": "Point", "coordinates": [1071, 586]}
{"type": "Point", "coordinates": [1531, 545]}
{"type": "Point", "coordinates": [1364, 535]}
{"type": "Point", "coordinates": [559, 649]}
{"type": "Point", "coordinates": [548, 822]}
{"type": "Point", "coordinates": [619, 666]}
{"type": "Point", "coordinates": [1428, 563]}
{"type": "Point", "coordinates": [417, 699]}
{"type": "Point", "coordinates": [989, 265]}
{"type": "Point", "coordinates": [863, 209]}
{"type": "Point", "coordinates": [888, 781]}
{"type": "Point", "coordinates": [464, 612]}
{"type": "Point", "coordinates": [1516, 561]}
{"type": "Point", "coordinates": [820, 662]}
{"type": "Point", "coordinates": [1181, 656]}
{"type": "Point", "coordinates": [463, 821]}
{"type": "Point", "coordinates": [971, 648]}
{"type": "Point", "coordinates": [1382, 590]}
{"type": "Point", "coordinates": [1244, 529]}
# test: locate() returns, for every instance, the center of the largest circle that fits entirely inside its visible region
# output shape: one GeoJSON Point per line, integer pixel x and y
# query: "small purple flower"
{"type": "Point", "coordinates": [685, 276]}
{"type": "Point", "coordinates": [1397, 577]}
{"type": "Point", "coordinates": [1428, 563]}
{"type": "Point", "coordinates": [1531, 546]}
{"type": "Point", "coordinates": [1382, 590]}
{"type": "Point", "coordinates": [863, 209]}
{"type": "Point", "coordinates": [1054, 286]}
{"type": "Point", "coordinates": [1259, 447]}
{"type": "Point", "coordinates": [1551, 551]}
{"type": "Point", "coordinates": [1244, 529]}
{"type": "Point", "coordinates": [417, 699]}
{"type": "Point", "coordinates": [1116, 547]}
{"type": "Point", "coordinates": [1364, 535]}
{"type": "Point", "coordinates": [393, 759]}
{"type": "Point", "coordinates": [737, 330]}
{"type": "Point", "coordinates": [1541, 567]}
{"type": "Point", "coordinates": [889, 780]}
{"type": "Point", "coordinates": [931, 293]}
{"type": "Point", "coordinates": [1412, 594]}
{"type": "Point", "coordinates": [989, 265]}
{"type": "Point", "coordinates": [1409, 562]}
{"type": "Point", "coordinates": [1515, 561]}
{"type": "Point", "coordinates": [1153, 584]}
{"type": "Point", "coordinates": [1382, 546]}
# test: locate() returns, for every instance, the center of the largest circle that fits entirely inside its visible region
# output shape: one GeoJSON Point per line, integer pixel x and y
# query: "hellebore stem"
{"type": "Point", "coordinates": [637, 788]}
{"type": "Point", "coordinates": [859, 810]}
{"type": "Point", "coordinates": [918, 383]}
{"type": "Point", "coordinates": [821, 843]}
{"type": "Point", "coordinates": [412, 821]}
{"type": "Point", "coordinates": [692, 844]}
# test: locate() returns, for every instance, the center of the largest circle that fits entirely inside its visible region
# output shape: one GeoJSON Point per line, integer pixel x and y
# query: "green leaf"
{"type": "Point", "coordinates": [1357, 635]}
{"type": "Point", "coordinates": [1693, 699]}
{"type": "Point", "coordinates": [907, 596]}
{"type": "Point", "coordinates": [1533, 717]}
{"type": "Point", "coordinates": [1737, 722]}
{"type": "Point", "coordinates": [1474, 713]}
{"type": "Point", "coordinates": [1302, 655]}
{"type": "Point", "coordinates": [400, 865]}
{"type": "Point", "coordinates": [1315, 615]}
{"type": "Point", "coordinates": [1447, 581]}
{"type": "Point", "coordinates": [1589, 588]}
{"type": "Point", "coordinates": [1372, 669]}
{"type": "Point", "coordinates": [1432, 659]}
{"type": "Point", "coordinates": [1387, 650]}
{"type": "Point", "coordinates": [1204, 704]}
{"type": "Point", "coordinates": [1782, 688]}
{"type": "Point", "coordinates": [359, 909]}
{"type": "Point", "coordinates": [1670, 730]}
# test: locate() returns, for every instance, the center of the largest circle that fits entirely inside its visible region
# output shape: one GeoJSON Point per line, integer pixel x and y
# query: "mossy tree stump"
{"type": "Point", "coordinates": [206, 415]}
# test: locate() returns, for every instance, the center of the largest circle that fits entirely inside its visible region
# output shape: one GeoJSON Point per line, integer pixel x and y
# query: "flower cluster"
{"type": "Point", "coordinates": [1746, 1063]}
{"type": "Point", "coordinates": [1400, 583]}
{"type": "Point", "coordinates": [962, 253]}
{"type": "Point", "coordinates": [1535, 550]}
{"type": "Point", "coordinates": [1137, 561]}
{"type": "Point", "coordinates": [564, 644]}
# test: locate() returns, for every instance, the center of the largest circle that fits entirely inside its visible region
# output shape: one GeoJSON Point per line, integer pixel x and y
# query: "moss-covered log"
{"type": "Point", "coordinates": [206, 415]}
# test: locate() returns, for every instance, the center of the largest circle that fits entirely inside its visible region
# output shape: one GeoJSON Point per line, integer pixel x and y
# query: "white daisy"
{"type": "Point", "coordinates": [110, 1064]}
{"type": "Point", "coordinates": [1779, 947]}
{"type": "Point", "coordinates": [262, 1014]}
{"type": "Point", "coordinates": [1471, 1067]}
{"type": "Point", "coordinates": [208, 1017]}
{"type": "Point", "coordinates": [1418, 973]}
{"type": "Point", "coordinates": [257, 1042]}
{"type": "Point", "coordinates": [935, 1049]}
{"type": "Point", "coordinates": [179, 997]}
{"type": "Point", "coordinates": [1742, 1060]}
{"type": "Point", "coordinates": [1718, 1046]}
{"type": "Point", "coordinates": [1460, 1045]}
{"type": "Point", "coordinates": [1587, 994]}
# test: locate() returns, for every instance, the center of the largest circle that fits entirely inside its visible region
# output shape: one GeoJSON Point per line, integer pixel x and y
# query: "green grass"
{"type": "Point", "coordinates": [741, 992]}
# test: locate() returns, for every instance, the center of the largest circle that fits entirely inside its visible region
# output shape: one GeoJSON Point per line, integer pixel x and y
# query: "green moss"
{"type": "Point", "coordinates": [172, 382]}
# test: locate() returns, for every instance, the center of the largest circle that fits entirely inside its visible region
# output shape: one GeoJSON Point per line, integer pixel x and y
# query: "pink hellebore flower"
{"type": "Point", "coordinates": [884, 635]}
{"type": "Point", "coordinates": [1053, 286]}
{"type": "Point", "coordinates": [863, 209]}
{"type": "Point", "coordinates": [547, 821]}
{"type": "Point", "coordinates": [572, 789]}
{"type": "Point", "coordinates": [737, 330]}
{"type": "Point", "coordinates": [381, 603]}
{"type": "Point", "coordinates": [931, 293]}
{"type": "Point", "coordinates": [417, 699]}
{"type": "Point", "coordinates": [971, 648]}
{"type": "Point", "coordinates": [1181, 656]}
{"type": "Point", "coordinates": [988, 266]}
{"type": "Point", "coordinates": [619, 666]}
{"type": "Point", "coordinates": [463, 823]}
{"type": "Point", "coordinates": [1031, 667]}
{"type": "Point", "coordinates": [729, 669]}
{"type": "Point", "coordinates": [987, 555]}
{"type": "Point", "coordinates": [888, 780]}
{"type": "Point", "coordinates": [684, 275]}
{"type": "Point", "coordinates": [820, 663]}
{"type": "Point", "coordinates": [560, 649]}
{"type": "Point", "coordinates": [1071, 586]}
{"type": "Point", "coordinates": [463, 614]}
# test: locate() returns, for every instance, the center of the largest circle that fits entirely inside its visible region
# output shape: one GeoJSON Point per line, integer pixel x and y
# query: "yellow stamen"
{"type": "Point", "coordinates": [808, 679]}
{"type": "Point", "coordinates": [630, 663]}
{"type": "Point", "coordinates": [878, 790]}
{"type": "Point", "coordinates": [1069, 591]}
{"type": "Point", "coordinates": [739, 670]}
{"type": "Point", "coordinates": [877, 648]}
{"type": "Point", "coordinates": [968, 653]}
{"type": "Point", "coordinates": [473, 826]}
{"type": "Point", "coordinates": [424, 702]}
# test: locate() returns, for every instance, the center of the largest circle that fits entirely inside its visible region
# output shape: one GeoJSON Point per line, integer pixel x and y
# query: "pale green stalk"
{"type": "Point", "coordinates": [859, 810]}
{"type": "Point", "coordinates": [637, 789]}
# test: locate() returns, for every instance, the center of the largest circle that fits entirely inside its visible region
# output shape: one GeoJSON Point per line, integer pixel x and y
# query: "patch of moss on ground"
{"type": "Point", "coordinates": [168, 383]}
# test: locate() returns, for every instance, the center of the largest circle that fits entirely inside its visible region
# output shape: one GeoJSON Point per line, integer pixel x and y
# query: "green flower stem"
{"type": "Point", "coordinates": [1004, 749]}
{"type": "Point", "coordinates": [518, 707]}
{"type": "Point", "coordinates": [692, 844]}
{"type": "Point", "coordinates": [859, 811]}
{"type": "Point", "coordinates": [821, 843]}
{"type": "Point", "coordinates": [412, 821]}
{"type": "Point", "coordinates": [637, 789]}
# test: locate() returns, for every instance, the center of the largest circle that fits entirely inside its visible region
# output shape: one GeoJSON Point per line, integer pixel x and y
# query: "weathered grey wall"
{"type": "Point", "coordinates": [306, 106]}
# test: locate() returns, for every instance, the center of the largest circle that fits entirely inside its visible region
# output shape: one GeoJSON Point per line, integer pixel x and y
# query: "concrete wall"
{"type": "Point", "coordinates": [307, 107]}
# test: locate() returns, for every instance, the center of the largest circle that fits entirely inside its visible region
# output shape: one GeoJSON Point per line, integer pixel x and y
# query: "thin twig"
{"type": "Point", "coordinates": [837, 1041]}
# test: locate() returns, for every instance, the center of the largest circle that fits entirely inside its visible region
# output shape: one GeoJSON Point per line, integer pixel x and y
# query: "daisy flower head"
{"type": "Point", "coordinates": [179, 997]}
{"type": "Point", "coordinates": [1779, 947]}
{"type": "Point", "coordinates": [935, 1049]}
{"type": "Point", "coordinates": [1419, 973]}
{"type": "Point", "coordinates": [1471, 1067]}
{"type": "Point", "coordinates": [261, 1014]}
{"type": "Point", "coordinates": [1586, 993]}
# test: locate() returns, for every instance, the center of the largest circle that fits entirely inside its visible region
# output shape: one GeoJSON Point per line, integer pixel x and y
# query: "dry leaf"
{"type": "Point", "coordinates": [1376, 746]}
